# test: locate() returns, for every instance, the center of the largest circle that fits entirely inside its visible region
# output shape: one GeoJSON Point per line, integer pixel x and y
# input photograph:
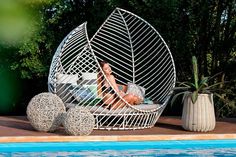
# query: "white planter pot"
{"type": "Point", "coordinates": [199, 116]}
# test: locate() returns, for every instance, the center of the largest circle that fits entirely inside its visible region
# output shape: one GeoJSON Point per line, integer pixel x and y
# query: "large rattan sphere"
{"type": "Point", "coordinates": [45, 112]}
{"type": "Point", "coordinates": [79, 121]}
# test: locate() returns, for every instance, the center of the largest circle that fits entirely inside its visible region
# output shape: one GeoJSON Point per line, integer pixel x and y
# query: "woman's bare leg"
{"type": "Point", "coordinates": [137, 100]}
{"type": "Point", "coordinates": [131, 99]}
{"type": "Point", "coordinates": [118, 104]}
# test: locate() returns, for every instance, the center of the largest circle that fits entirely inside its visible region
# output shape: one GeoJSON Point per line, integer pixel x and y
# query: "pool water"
{"type": "Point", "coordinates": [207, 148]}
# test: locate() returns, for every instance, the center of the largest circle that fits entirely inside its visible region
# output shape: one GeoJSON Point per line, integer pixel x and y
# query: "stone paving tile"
{"type": "Point", "coordinates": [20, 126]}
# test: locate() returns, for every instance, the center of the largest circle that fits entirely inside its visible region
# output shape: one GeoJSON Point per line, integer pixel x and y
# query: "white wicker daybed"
{"type": "Point", "coordinates": [135, 51]}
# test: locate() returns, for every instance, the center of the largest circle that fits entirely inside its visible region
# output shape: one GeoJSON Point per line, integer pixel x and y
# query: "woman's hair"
{"type": "Point", "coordinates": [102, 63]}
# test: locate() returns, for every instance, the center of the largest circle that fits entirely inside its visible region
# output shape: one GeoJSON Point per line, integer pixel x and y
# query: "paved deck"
{"type": "Point", "coordinates": [18, 129]}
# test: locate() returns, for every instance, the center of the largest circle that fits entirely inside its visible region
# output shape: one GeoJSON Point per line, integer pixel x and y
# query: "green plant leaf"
{"type": "Point", "coordinates": [203, 83]}
{"type": "Point", "coordinates": [214, 76]}
{"type": "Point", "coordinates": [186, 84]}
{"type": "Point", "coordinates": [181, 88]}
{"type": "Point", "coordinates": [194, 86]}
{"type": "Point", "coordinates": [177, 95]}
{"type": "Point", "coordinates": [216, 84]}
{"type": "Point", "coordinates": [204, 80]}
{"type": "Point", "coordinates": [195, 71]}
{"type": "Point", "coordinates": [185, 95]}
{"type": "Point", "coordinates": [219, 96]}
{"type": "Point", "coordinates": [194, 96]}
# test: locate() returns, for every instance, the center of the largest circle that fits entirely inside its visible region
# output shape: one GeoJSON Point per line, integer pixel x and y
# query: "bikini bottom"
{"type": "Point", "coordinates": [107, 106]}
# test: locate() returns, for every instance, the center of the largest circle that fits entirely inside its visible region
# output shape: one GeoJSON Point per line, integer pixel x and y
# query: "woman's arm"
{"type": "Point", "coordinates": [113, 83]}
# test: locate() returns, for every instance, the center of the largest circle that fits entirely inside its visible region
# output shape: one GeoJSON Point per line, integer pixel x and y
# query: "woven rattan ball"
{"type": "Point", "coordinates": [45, 112]}
{"type": "Point", "coordinates": [79, 121]}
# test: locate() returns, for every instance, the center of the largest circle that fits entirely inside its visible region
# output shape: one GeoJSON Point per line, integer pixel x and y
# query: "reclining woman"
{"type": "Point", "coordinates": [110, 98]}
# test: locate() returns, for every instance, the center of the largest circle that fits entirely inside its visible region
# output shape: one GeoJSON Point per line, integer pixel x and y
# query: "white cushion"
{"type": "Point", "coordinates": [147, 107]}
{"type": "Point", "coordinates": [130, 110]}
{"type": "Point", "coordinates": [66, 78]}
{"type": "Point", "coordinates": [89, 76]}
{"type": "Point", "coordinates": [100, 109]}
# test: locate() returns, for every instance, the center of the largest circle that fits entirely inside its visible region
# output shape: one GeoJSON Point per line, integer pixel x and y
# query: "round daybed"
{"type": "Point", "coordinates": [136, 53]}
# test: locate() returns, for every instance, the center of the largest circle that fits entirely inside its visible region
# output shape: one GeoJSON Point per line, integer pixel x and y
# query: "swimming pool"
{"type": "Point", "coordinates": [141, 148]}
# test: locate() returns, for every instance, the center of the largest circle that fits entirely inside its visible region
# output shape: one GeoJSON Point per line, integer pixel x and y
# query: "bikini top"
{"type": "Point", "coordinates": [108, 89]}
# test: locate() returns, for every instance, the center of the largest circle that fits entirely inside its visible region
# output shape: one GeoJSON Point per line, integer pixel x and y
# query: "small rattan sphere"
{"type": "Point", "coordinates": [45, 112]}
{"type": "Point", "coordinates": [79, 121]}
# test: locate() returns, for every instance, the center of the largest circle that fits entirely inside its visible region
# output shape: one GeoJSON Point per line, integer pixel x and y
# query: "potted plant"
{"type": "Point", "coordinates": [198, 110]}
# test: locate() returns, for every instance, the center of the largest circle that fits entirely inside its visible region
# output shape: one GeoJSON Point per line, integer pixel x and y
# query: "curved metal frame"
{"type": "Point", "coordinates": [136, 52]}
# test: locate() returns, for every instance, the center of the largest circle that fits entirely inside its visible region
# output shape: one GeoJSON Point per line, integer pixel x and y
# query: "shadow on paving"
{"type": "Point", "coordinates": [169, 126]}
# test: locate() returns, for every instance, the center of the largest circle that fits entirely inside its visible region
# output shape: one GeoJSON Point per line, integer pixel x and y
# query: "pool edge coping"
{"type": "Point", "coordinates": [91, 138]}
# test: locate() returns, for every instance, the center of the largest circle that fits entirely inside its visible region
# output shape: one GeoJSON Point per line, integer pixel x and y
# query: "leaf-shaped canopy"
{"type": "Point", "coordinates": [136, 52]}
{"type": "Point", "coordinates": [67, 53]}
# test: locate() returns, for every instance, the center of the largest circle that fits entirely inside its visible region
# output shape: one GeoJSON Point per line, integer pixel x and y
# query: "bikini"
{"type": "Point", "coordinates": [108, 89]}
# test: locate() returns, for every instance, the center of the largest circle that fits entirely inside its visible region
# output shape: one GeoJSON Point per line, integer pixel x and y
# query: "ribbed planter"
{"type": "Point", "coordinates": [199, 116]}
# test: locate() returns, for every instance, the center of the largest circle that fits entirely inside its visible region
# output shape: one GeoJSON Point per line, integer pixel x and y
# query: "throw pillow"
{"type": "Point", "coordinates": [89, 76]}
{"type": "Point", "coordinates": [82, 94]}
{"type": "Point", "coordinates": [90, 84]}
{"type": "Point", "coordinates": [136, 90]}
{"type": "Point", "coordinates": [66, 78]}
{"type": "Point", "coordinates": [92, 88]}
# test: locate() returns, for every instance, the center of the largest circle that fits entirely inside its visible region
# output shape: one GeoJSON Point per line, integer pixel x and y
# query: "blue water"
{"type": "Point", "coordinates": [207, 148]}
